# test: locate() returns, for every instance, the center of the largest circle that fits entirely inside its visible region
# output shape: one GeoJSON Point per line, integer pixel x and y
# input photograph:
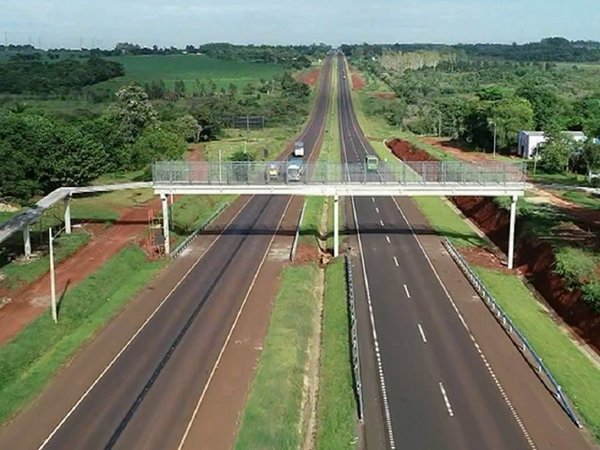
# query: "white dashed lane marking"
{"type": "Point", "coordinates": [422, 333]}
{"type": "Point", "coordinates": [446, 401]}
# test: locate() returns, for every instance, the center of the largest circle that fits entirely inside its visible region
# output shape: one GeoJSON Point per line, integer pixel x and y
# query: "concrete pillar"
{"type": "Point", "coordinates": [336, 226]}
{"type": "Point", "coordinates": [165, 212]}
{"type": "Point", "coordinates": [68, 214]}
{"type": "Point", "coordinates": [27, 242]}
{"type": "Point", "coordinates": [511, 232]}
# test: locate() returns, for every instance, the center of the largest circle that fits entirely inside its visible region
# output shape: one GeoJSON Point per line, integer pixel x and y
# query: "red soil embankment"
{"type": "Point", "coordinates": [357, 82]}
{"type": "Point", "coordinates": [535, 259]}
{"type": "Point", "coordinates": [309, 77]}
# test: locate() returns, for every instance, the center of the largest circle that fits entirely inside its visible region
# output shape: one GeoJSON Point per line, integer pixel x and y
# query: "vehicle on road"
{"type": "Point", "coordinates": [299, 149]}
{"type": "Point", "coordinates": [273, 172]}
{"type": "Point", "coordinates": [295, 169]}
{"type": "Point", "coordinates": [372, 163]}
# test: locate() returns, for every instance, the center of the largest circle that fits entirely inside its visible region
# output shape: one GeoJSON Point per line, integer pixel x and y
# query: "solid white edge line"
{"type": "Point", "coordinates": [386, 406]}
{"type": "Point", "coordinates": [406, 290]}
{"type": "Point", "coordinates": [446, 401]}
{"type": "Point", "coordinates": [139, 330]}
{"type": "Point", "coordinates": [396, 262]}
{"type": "Point", "coordinates": [511, 407]}
{"type": "Point", "coordinates": [231, 330]}
{"type": "Point", "coordinates": [422, 333]}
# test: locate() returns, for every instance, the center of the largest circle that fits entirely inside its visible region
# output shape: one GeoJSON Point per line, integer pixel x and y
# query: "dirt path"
{"type": "Point", "coordinates": [34, 299]}
{"type": "Point", "coordinates": [585, 217]}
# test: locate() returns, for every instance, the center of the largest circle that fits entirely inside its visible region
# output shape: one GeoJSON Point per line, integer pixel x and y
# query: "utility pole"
{"type": "Point", "coordinates": [494, 138]}
{"type": "Point", "coordinates": [6, 38]}
{"type": "Point", "coordinates": [52, 277]}
{"type": "Point", "coordinates": [440, 125]}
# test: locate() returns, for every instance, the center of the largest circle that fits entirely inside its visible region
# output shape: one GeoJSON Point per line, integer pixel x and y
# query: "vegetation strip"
{"type": "Point", "coordinates": [272, 416]}
{"type": "Point", "coordinates": [33, 357]}
{"type": "Point", "coordinates": [336, 425]}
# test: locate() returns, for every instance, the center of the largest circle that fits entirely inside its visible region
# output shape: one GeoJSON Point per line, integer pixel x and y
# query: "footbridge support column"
{"type": "Point", "coordinates": [336, 226]}
{"type": "Point", "coordinates": [511, 232]}
{"type": "Point", "coordinates": [68, 214]}
{"type": "Point", "coordinates": [164, 200]}
{"type": "Point", "coordinates": [26, 242]}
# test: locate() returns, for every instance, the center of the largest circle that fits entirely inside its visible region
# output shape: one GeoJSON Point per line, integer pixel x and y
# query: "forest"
{"type": "Point", "coordinates": [467, 98]}
{"type": "Point", "coordinates": [42, 150]}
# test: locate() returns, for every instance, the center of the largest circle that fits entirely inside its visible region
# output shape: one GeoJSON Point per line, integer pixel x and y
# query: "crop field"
{"type": "Point", "coordinates": [189, 68]}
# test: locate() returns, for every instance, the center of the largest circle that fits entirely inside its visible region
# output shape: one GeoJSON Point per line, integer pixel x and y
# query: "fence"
{"type": "Point", "coordinates": [354, 337]}
{"type": "Point", "coordinates": [513, 332]}
{"type": "Point", "coordinates": [286, 172]}
{"type": "Point", "coordinates": [175, 253]}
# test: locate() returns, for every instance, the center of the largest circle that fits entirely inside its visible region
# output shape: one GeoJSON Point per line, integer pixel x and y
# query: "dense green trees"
{"type": "Point", "coordinates": [19, 76]}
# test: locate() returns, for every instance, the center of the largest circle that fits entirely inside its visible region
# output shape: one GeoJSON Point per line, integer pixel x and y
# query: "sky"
{"type": "Point", "coordinates": [70, 23]}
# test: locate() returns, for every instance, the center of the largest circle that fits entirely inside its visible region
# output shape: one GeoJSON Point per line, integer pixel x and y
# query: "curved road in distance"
{"type": "Point", "coordinates": [148, 394]}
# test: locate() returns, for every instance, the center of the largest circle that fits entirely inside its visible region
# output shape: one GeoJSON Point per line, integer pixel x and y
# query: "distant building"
{"type": "Point", "coordinates": [529, 141]}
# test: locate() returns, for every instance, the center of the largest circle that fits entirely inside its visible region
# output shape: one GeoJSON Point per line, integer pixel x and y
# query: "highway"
{"type": "Point", "coordinates": [435, 390]}
{"type": "Point", "coordinates": [146, 392]}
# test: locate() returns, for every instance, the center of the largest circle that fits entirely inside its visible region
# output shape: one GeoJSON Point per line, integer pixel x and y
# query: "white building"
{"type": "Point", "coordinates": [529, 141]}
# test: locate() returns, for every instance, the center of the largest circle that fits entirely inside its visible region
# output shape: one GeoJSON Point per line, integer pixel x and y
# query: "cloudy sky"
{"type": "Point", "coordinates": [102, 23]}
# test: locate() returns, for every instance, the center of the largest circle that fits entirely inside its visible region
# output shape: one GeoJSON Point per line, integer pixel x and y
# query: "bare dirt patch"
{"type": "Point", "coordinates": [105, 243]}
{"type": "Point", "coordinates": [357, 82]}
{"type": "Point", "coordinates": [484, 258]}
{"type": "Point", "coordinates": [309, 76]}
{"type": "Point", "coordinates": [195, 152]}
{"type": "Point", "coordinates": [408, 152]}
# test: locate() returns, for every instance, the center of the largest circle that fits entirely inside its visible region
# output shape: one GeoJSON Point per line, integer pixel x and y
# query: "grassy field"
{"type": "Point", "coordinates": [336, 416]}
{"type": "Point", "coordinates": [5, 215]}
{"type": "Point", "coordinates": [574, 371]}
{"type": "Point", "coordinates": [19, 273]}
{"type": "Point", "coordinates": [32, 358]}
{"type": "Point", "coordinates": [189, 68]}
{"type": "Point", "coordinates": [272, 417]}
{"type": "Point", "coordinates": [253, 142]}
{"type": "Point", "coordinates": [582, 199]}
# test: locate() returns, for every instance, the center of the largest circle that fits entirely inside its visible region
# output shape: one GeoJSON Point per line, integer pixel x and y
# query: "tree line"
{"type": "Point", "coordinates": [556, 49]}
{"type": "Point", "coordinates": [40, 151]}
{"type": "Point", "coordinates": [28, 74]}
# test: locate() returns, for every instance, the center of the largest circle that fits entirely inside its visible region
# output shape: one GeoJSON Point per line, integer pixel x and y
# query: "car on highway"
{"type": "Point", "coordinates": [295, 169]}
{"type": "Point", "coordinates": [299, 149]}
{"type": "Point", "coordinates": [273, 172]}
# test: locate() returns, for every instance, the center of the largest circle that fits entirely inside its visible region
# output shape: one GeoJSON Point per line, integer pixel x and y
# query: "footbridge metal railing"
{"type": "Point", "coordinates": [294, 173]}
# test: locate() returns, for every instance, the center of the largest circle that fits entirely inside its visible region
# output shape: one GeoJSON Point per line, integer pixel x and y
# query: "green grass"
{"type": "Point", "coordinates": [108, 207]}
{"type": "Point", "coordinates": [254, 142]}
{"type": "Point", "coordinates": [5, 215]}
{"type": "Point", "coordinates": [570, 179]}
{"type": "Point", "coordinates": [582, 199]}
{"type": "Point", "coordinates": [336, 414]}
{"type": "Point", "coordinates": [191, 211]}
{"type": "Point", "coordinates": [310, 227]}
{"type": "Point", "coordinates": [271, 419]}
{"type": "Point", "coordinates": [189, 68]}
{"type": "Point", "coordinates": [446, 222]}
{"type": "Point", "coordinates": [576, 265]}
{"type": "Point", "coordinates": [17, 274]}
{"type": "Point", "coordinates": [578, 376]}
{"type": "Point", "coordinates": [121, 177]}
{"type": "Point", "coordinates": [34, 356]}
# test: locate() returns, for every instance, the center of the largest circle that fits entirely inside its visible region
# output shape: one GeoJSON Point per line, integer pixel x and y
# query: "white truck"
{"type": "Point", "coordinates": [295, 169]}
{"type": "Point", "coordinates": [299, 149]}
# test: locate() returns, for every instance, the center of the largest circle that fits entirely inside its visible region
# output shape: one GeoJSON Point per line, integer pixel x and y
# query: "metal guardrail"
{"type": "Point", "coordinates": [513, 332]}
{"type": "Point", "coordinates": [297, 235]}
{"type": "Point", "coordinates": [188, 240]}
{"type": "Point", "coordinates": [354, 337]}
{"type": "Point", "coordinates": [321, 172]}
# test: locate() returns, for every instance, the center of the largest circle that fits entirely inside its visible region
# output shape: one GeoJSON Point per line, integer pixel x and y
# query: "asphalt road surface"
{"type": "Point", "coordinates": [145, 396]}
{"type": "Point", "coordinates": [434, 389]}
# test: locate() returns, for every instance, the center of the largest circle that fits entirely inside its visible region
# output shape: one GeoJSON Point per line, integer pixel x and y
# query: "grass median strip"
{"type": "Point", "coordinates": [32, 358]}
{"type": "Point", "coordinates": [336, 420]}
{"type": "Point", "coordinates": [272, 417]}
